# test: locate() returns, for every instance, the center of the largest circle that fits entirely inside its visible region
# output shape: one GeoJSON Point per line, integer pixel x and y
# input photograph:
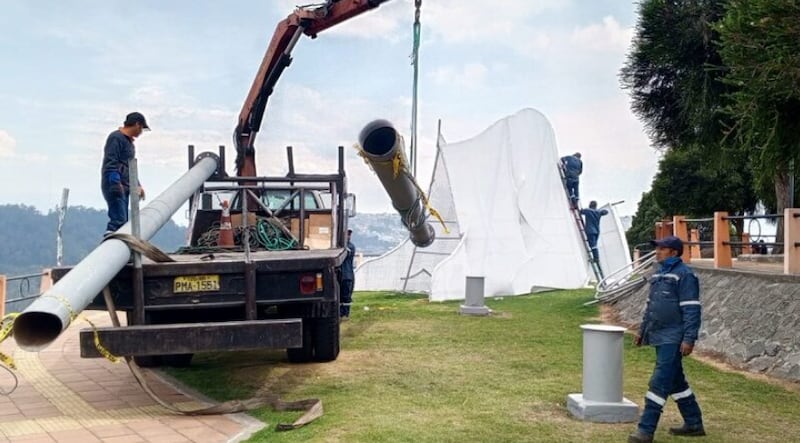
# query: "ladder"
{"type": "Point", "coordinates": [575, 210]}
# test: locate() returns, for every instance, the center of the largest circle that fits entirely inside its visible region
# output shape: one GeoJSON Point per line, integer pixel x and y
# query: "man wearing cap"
{"type": "Point", "coordinates": [573, 168]}
{"type": "Point", "coordinates": [671, 324]}
{"type": "Point", "coordinates": [115, 180]}
{"type": "Point", "coordinates": [348, 278]}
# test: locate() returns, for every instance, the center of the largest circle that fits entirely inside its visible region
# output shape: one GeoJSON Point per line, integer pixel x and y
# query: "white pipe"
{"type": "Point", "coordinates": [44, 320]}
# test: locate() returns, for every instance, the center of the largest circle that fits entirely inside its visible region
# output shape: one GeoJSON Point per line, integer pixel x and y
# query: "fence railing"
{"type": "Point", "coordinates": [692, 232]}
{"type": "Point", "coordinates": [17, 292]}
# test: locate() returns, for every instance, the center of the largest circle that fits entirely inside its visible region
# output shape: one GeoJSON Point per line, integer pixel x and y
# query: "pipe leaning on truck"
{"type": "Point", "coordinates": [44, 320]}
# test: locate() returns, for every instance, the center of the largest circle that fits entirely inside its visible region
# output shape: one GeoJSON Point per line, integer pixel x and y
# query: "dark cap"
{"type": "Point", "coordinates": [671, 242]}
{"type": "Point", "coordinates": [136, 117]}
{"type": "Point", "coordinates": [349, 231]}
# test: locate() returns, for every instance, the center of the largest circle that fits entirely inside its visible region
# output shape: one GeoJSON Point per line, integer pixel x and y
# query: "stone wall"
{"type": "Point", "coordinates": [751, 319]}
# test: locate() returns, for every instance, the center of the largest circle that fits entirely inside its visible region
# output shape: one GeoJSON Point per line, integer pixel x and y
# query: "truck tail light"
{"type": "Point", "coordinates": [319, 281]}
{"type": "Point", "coordinates": [308, 284]}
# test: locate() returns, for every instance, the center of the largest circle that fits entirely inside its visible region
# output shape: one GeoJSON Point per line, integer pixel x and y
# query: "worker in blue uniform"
{"type": "Point", "coordinates": [671, 324]}
{"type": "Point", "coordinates": [591, 224]}
{"type": "Point", "coordinates": [573, 168]}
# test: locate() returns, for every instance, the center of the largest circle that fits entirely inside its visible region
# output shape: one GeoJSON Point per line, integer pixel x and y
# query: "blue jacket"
{"type": "Point", "coordinates": [673, 307]}
{"type": "Point", "coordinates": [118, 152]}
{"type": "Point", "coordinates": [573, 166]}
{"type": "Point", "coordinates": [348, 273]}
{"type": "Point", "coordinates": [591, 219]}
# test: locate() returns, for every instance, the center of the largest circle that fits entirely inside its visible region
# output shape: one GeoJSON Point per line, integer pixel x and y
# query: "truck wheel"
{"type": "Point", "coordinates": [326, 339]}
{"type": "Point", "coordinates": [306, 353]}
{"type": "Point", "coordinates": [177, 360]}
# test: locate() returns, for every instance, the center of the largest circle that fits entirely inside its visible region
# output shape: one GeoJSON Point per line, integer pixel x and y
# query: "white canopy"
{"type": "Point", "coordinates": [501, 196]}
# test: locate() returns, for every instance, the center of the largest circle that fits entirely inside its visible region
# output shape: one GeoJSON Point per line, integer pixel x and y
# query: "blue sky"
{"type": "Point", "coordinates": [72, 70]}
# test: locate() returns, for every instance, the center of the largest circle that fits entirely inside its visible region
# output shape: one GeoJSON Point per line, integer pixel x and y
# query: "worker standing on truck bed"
{"type": "Point", "coordinates": [115, 180]}
{"type": "Point", "coordinates": [348, 278]}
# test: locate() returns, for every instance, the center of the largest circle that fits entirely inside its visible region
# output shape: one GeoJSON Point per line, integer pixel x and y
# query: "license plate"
{"type": "Point", "coordinates": [196, 283]}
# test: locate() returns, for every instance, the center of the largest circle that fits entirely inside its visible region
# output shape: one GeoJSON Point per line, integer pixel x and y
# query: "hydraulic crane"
{"type": "Point", "coordinates": [309, 20]}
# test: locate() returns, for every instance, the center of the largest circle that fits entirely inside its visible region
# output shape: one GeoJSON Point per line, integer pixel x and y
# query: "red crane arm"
{"type": "Point", "coordinates": [309, 20]}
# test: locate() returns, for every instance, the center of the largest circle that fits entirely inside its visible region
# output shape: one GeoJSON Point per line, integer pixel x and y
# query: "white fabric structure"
{"type": "Point", "coordinates": [612, 243]}
{"type": "Point", "coordinates": [504, 204]}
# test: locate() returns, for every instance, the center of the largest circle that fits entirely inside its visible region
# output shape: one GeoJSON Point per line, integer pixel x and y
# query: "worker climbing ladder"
{"type": "Point", "coordinates": [575, 210]}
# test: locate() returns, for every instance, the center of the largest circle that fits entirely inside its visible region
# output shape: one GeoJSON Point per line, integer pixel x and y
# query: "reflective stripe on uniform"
{"type": "Point", "coordinates": [684, 394]}
{"type": "Point", "coordinates": [675, 277]}
{"type": "Point", "coordinates": [690, 302]}
{"type": "Point", "coordinates": [655, 399]}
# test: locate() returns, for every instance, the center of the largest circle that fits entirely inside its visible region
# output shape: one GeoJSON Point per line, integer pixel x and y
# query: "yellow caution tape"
{"type": "Point", "coordinates": [73, 315]}
{"type": "Point", "coordinates": [8, 326]}
{"type": "Point", "coordinates": [100, 348]}
{"type": "Point", "coordinates": [430, 208]}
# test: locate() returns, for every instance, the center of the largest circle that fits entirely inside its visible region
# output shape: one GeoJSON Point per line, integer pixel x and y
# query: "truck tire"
{"type": "Point", "coordinates": [177, 360]}
{"type": "Point", "coordinates": [326, 338]}
{"type": "Point", "coordinates": [306, 353]}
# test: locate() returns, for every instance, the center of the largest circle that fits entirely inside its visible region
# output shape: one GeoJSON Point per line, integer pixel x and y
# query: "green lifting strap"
{"type": "Point", "coordinates": [415, 63]}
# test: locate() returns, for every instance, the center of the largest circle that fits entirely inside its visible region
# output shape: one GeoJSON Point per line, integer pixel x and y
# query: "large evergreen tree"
{"type": "Point", "coordinates": [760, 45]}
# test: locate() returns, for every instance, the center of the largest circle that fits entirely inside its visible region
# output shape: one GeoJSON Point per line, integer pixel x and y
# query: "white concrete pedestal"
{"type": "Point", "coordinates": [602, 400]}
{"type": "Point", "coordinates": [473, 299]}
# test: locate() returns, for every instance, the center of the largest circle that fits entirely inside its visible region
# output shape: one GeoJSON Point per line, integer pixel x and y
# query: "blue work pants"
{"type": "Point", "coordinates": [668, 379]}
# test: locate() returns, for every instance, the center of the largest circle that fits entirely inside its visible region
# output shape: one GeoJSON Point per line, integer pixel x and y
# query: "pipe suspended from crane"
{"type": "Point", "coordinates": [382, 148]}
{"type": "Point", "coordinates": [44, 320]}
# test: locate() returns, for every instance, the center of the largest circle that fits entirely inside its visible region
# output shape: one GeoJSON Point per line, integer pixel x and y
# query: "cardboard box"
{"type": "Point", "coordinates": [236, 219]}
{"type": "Point", "coordinates": [318, 230]}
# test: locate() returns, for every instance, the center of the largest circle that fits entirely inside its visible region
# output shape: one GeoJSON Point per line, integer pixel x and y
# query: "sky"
{"type": "Point", "coordinates": [72, 70]}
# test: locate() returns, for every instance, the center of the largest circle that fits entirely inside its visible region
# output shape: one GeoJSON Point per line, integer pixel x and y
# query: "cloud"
{"type": "Point", "coordinates": [470, 75]}
{"type": "Point", "coordinates": [7, 144]}
{"type": "Point", "coordinates": [606, 36]}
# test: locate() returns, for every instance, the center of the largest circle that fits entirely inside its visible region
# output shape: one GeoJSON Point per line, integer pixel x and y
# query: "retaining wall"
{"type": "Point", "coordinates": [751, 319]}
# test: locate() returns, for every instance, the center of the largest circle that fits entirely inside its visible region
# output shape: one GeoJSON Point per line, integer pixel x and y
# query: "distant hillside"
{"type": "Point", "coordinates": [374, 234]}
{"type": "Point", "coordinates": [28, 237]}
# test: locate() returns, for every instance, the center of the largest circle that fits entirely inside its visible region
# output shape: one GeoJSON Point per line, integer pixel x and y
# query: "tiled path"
{"type": "Point", "coordinates": [64, 398]}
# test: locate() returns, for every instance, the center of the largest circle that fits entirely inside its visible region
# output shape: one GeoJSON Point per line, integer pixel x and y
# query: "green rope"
{"type": "Point", "coordinates": [272, 237]}
{"type": "Point", "coordinates": [415, 63]}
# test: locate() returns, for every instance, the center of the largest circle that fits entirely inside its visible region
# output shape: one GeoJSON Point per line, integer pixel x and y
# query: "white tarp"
{"type": "Point", "coordinates": [508, 215]}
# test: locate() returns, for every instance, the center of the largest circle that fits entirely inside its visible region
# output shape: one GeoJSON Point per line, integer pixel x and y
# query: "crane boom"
{"type": "Point", "coordinates": [308, 20]}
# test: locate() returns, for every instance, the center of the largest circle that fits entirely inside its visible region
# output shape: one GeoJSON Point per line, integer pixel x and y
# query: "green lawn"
{"type": "Point", "coordinates": [414, 371]}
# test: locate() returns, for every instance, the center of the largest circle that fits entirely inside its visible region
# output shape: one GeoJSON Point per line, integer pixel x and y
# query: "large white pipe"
{"type": "Point", "coordinates": [45, 319]}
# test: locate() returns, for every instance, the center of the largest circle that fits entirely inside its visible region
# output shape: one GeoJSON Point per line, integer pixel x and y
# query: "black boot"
{"type": "Point", "coordinates": [640, 437]}
{"type": "Point", "coordinates": [686, 431]}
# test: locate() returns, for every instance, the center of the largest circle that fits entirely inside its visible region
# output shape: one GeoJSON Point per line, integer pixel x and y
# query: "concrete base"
{"type": "Point", "coordinates": [625, 411]}
{"type": "Point", "coordinates": [474, 310]}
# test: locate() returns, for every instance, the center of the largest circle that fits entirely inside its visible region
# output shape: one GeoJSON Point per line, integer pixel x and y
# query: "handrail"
{"type": "Point", "coordinates": [624, 280]}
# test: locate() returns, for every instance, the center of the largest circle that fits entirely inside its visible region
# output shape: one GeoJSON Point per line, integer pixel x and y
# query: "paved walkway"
{"type": "Point", "coordinates": [62, 397]}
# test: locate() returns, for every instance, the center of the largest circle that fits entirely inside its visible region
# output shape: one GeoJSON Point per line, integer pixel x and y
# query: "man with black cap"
{"type": "Point", "coordinates": [115, 180]}
{"type": "Point", "coordinates": [671, 324]}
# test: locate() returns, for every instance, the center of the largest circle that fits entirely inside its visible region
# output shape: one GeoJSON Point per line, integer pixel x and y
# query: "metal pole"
{"type": "Point", "coordinates": [138, 275]}
{"type": "Point", "coordinates": [45, 319]}
{"type": "Point", "coordinates": [383, 150]}
{"type": "Point", "coordinates": [62, 212]}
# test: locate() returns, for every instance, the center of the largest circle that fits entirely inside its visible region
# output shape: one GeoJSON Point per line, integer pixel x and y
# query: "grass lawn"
{"type": "Point", "coordinates": [414, 371]}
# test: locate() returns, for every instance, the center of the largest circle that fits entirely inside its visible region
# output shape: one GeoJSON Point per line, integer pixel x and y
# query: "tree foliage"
{"type": "Point", "coordinates": [672, 72]}
{"type": "Point", "coordinates": [691, 182]}
{"type": "Point", "coordinates": [643, 225]}
{"type": "Point", "coordinates": [760, 46]}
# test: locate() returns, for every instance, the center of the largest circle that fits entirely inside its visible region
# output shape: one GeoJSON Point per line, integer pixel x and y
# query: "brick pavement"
{"type": "Point", "coordinates": [62, 397]}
